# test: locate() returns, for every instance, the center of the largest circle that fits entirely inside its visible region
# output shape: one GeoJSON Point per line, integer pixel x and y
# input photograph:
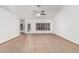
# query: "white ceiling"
{"type": "Point", "coordinates": [26, 11]}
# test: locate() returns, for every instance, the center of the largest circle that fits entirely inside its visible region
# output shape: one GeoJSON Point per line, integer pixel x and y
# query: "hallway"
{"type": "Point", "coordinates": [39, 43]}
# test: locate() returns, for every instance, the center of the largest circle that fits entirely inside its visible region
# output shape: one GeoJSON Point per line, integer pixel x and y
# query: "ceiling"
{"type": "Point", "coordinates": [26, 11]}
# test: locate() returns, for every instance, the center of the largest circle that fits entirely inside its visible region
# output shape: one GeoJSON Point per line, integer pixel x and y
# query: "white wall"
{"type": "Point", "coordinates": [9, 26]}
{"type": "Point", "coordinates": [66, 23]}
{"type": "Point", "coordinates": [33, 25]}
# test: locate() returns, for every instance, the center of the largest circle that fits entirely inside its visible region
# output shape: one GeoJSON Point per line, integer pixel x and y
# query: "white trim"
{"type": "Point", "coordinates": [68, 38]}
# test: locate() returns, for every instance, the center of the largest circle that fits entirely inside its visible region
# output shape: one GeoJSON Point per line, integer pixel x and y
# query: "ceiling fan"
{"type": "Point", "coordinates": [39, 12]}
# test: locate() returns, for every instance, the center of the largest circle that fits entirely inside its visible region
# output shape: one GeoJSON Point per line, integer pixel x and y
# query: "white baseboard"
{"type": "Point", "coordinates": [68, 38]}
{"type": "Point", "coordinates": [9, 38]}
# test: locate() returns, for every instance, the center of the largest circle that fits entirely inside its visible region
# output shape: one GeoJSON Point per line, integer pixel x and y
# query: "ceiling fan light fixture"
{"type": "Point", "coordinates": [38, 14]}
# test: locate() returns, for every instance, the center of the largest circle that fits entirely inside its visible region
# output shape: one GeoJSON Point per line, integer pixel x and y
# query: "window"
{"type": "Point", "coordinates": [43, 26]}
{"type": "Point", "coordinates": [29, 27]}
{"type": "Point", "coordinates": [21, 26]}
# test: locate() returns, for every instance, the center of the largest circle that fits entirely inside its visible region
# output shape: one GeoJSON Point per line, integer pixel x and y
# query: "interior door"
{"type": "Point", "coordinates": [22, 27]}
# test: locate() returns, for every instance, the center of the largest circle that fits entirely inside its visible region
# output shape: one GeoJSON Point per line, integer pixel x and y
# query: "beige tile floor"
{"type": "Point", "coordinates": [44, 43]}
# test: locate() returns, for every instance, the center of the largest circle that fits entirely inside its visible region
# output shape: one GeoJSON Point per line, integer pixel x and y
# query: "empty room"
{"type": "Point", "coordinates": [39, 28]}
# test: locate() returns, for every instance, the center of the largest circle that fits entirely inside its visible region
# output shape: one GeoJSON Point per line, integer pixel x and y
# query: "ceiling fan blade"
{"type": "Point", "coordinates": [35, 11]}
{"type": "Point", "coordinates": [42, 11]}
{"type": "Point", "coordinates": [43, 14]}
